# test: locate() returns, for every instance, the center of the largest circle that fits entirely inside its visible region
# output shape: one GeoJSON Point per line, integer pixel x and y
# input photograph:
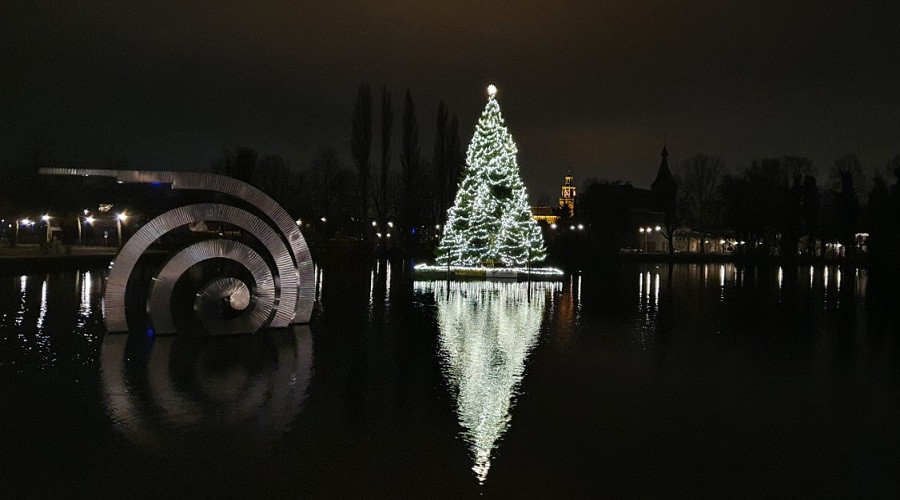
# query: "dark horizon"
{"type": "Point", "coordinates": [596, 88]}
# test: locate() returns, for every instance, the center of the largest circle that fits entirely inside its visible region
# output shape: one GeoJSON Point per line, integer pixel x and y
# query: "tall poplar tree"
{"type": "Point", "coordinates": [361, 146]}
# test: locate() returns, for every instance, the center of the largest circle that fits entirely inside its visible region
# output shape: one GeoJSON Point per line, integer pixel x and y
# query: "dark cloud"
{"type": "Point", "coordinates": [592, 86]}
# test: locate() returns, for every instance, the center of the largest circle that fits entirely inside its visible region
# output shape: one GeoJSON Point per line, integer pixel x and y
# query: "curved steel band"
{"type": "Point", "coordinates": [258, 316]}
{"type": "Point", "coordinates": [299, 251]}
{"type": "Point", "coordinates": [120, 270]}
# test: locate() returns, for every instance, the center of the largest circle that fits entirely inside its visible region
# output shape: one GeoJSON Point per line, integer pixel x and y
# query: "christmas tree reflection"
{"type": "Point", "coordinates": [487, 330]}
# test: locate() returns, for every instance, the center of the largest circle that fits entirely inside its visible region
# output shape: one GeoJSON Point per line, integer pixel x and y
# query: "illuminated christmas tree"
{"type": "Point", "coordinates": [490, 221]}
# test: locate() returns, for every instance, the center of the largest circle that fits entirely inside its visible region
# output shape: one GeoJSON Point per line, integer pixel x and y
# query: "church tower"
{"type": "Point", "coordinates": [568, 194]}
{"type": "Point", "coordinates": [663, 189]}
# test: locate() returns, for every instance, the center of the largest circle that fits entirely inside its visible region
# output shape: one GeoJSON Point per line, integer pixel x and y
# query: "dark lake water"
{"type": "Point", "coordinates": [640, 380]}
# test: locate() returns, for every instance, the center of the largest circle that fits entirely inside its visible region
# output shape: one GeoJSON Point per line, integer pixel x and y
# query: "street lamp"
{"type": "Point", "coordinates": [25, 222]}
{"type": "Point", "coordinates": [46, 219]}
{"type": "Point", "coordinates": [90, 220]}
{"type": "Point", "coordinates": [120, 218]}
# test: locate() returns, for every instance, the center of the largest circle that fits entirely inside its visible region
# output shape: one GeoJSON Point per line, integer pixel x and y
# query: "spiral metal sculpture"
{"type": "Point", "coordinates": [281, 289]}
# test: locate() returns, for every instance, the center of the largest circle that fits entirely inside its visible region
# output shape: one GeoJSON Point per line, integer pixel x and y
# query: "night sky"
{"type": "Point", "coordinates": [594, 86]}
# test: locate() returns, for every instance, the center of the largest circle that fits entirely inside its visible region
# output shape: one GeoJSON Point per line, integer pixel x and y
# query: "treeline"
{"type": "Point", "coordinates": [775, 206]}
{"type": "Point", "coordinates": [367, 198]}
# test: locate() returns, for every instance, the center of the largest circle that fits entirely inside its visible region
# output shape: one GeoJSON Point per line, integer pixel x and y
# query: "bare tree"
{"type": "Point", "coordinates": [699, 182]}
{"type": "Point", "coordinates": [381, 197]}
{"type": "Point", "coordinates": [239, 164]}
{"type": "Point", "coordinates": [326, 171]}
{"type": "Point", "coordinates": [455, 161]}
{"type": "Point", "coordinates": [410, 159]}
{"type": "Point", "coordinates": [276, 179]}
{"type": "Point", "coordinates": [441, 162]}
{"type": "Point", "coordinates": [361, 146]}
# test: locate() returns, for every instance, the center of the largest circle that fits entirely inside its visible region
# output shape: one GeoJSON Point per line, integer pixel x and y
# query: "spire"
{"type": "Point", "coordinates": [664, 179]}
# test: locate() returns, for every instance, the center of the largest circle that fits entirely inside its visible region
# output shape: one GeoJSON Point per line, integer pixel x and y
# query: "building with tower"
{"type": "Point", "coordinates": [565, 207]}
{"type": "Point", "coordinates": [567, 199]}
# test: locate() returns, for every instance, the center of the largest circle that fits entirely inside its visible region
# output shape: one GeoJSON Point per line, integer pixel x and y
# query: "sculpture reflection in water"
{"type": "Point", "coordinates": [487, 330]}
{"type": "Point", "coordinates": [158, 390]}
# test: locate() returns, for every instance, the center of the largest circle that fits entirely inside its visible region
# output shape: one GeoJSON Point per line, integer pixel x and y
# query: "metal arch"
{"type": "Point", "coordinates": [119, 271]}
{"type": "Point", "coordinates": [260, 314]}
{"type": "Point", "coordinates": [209, 299]}
{"type": "Point", "coordinates": [223, 184]}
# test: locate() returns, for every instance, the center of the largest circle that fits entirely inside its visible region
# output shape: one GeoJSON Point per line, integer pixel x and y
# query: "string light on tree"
{"type": "Point", "coordinates": [490, 221]}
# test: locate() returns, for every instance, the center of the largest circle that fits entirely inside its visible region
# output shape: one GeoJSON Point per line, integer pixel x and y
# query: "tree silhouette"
{"type": "Point", "coordinates": [361, 146]}
{"type": "Point", "coordinates": [441, 162]}
{"type": "Point", "coordinates": [239, 164]}
{"type": "Point", "coordinates": [410, 160]}
{"type": "Point", "coordinates": [699, 182]}
{"type": "Point", "coordinates": [387, 120]}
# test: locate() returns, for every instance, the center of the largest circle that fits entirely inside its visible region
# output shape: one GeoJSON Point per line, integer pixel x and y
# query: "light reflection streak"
{"type": "Point", "coordinates": [23, 307]}
{"type": "Point", "coordinates": [487, 330]}
{"type": "Point", "coordinates": [372, 283]}
{"type": "Point", "coordinates": [648, 307]}
{"type": "Point", "coordinates": [387, 280]}
{"type": "Point", "coordinates": [42, 338]}
{"type": "Point", "coordinates": [656, 292]}
{"type": "Point", "coordinates": [780, 277]}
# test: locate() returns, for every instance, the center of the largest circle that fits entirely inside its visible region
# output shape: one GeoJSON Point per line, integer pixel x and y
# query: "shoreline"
{"type": "Point", "coordinates": [30, 259]}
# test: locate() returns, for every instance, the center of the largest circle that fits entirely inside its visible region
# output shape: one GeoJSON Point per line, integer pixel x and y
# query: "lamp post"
{"type": "Point", "coordinates": [46, 219]}
{"type": "Point", "coordinates": [120, 218]}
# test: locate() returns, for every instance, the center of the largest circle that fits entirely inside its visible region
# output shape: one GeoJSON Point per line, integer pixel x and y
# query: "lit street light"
{"type": "Point", "coordinates": [120, 218]}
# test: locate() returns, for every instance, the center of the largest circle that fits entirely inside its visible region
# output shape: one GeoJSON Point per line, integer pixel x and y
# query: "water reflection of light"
{"type": "Point", "coordinates": [648, 307]}
{"type": "Point", "coordinates": [147, 404]}
{"type": "Point", "coordinates": [372, 283]}
{"type": "Point", "coordinates": [23, 307]}
{"type": "Point", "coordinates": [42, 312]}
{"type": "Point", "coordinates": [838, 279]}
{"type": "Point", "coordinates": [656, 291]}
{"type": "Point", "coordinates": [387, 279]}
{"type": "Point", "coordinates": [87, 284]}
{"type": "Point", "coordinates": [811, 276]}
{"type": "Point", "coordinates": [780, 276]}
{"type": "Point", "coordinates": [487, 330]}
{"type": "Point", "coordinates": [42, 338]}
{"type": "Point", "coordinates": [722, 275]}
{"type": "Point", "coordinates": [317, 270]}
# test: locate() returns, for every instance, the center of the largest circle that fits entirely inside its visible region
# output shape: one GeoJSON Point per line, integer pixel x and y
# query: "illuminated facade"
{"type": "Point", "coordinates": [567, 198]}
{"type": "Point", "coordinates": [567, 202]}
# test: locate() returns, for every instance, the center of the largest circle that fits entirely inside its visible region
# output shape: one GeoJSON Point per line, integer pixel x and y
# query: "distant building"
{"type": "Point", "coordinates": [567, 201]}
{"type": "Point", "coordinates": [544, 214]}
